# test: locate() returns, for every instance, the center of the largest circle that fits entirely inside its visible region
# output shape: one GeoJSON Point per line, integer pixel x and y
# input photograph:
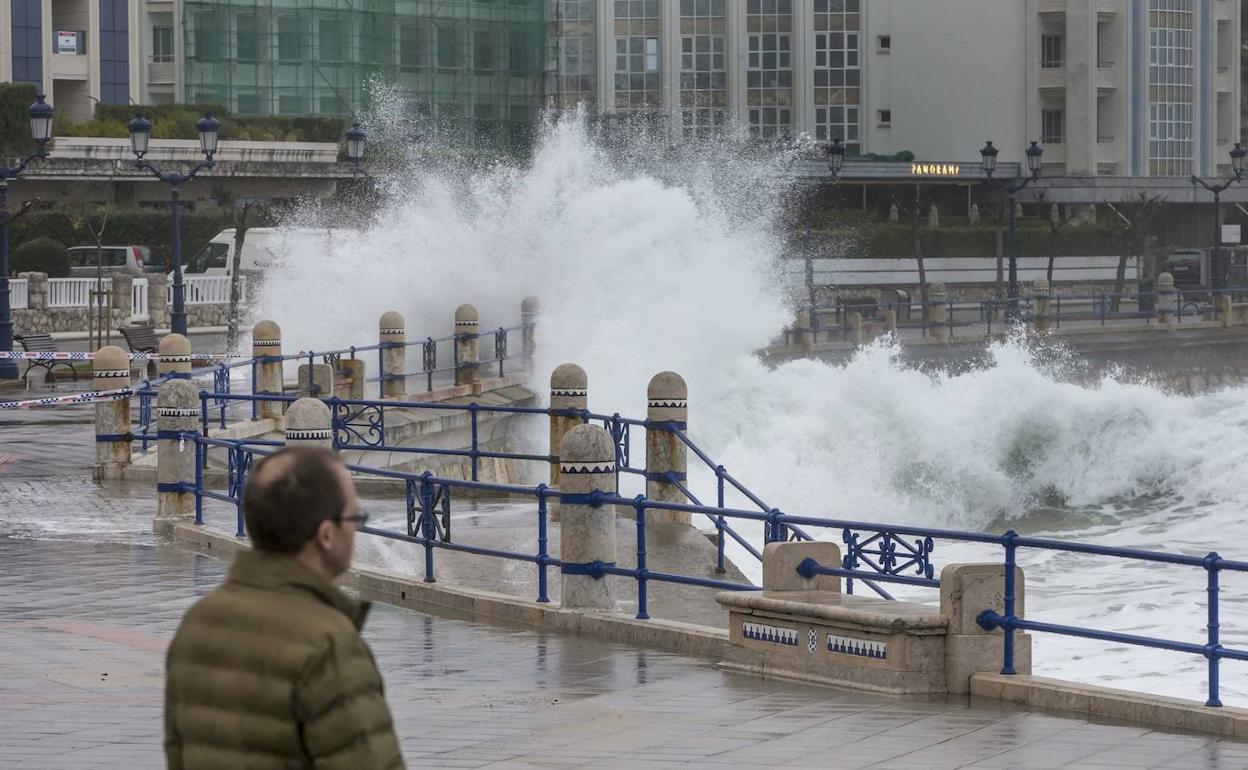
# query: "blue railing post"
{"type": "Point", "coordinates": [335, 422]}
{"type": "Point", "coordinates": [201, 453]}
{"type": "Point", "coordinates": [1007, 629]}
{"type": "Point", "coordinates": [255, 405]}
{"type": "Point", "coordinates": [240, 470]}
{"type": "Point", "coordinates": [639, 503]}
{"type": "Point", "coordinates": [1213, 647]}
{"type": "Point", "coordinates": [426, 513]}
{"type": "Point", "coordinates": [543, 596]}
{"type": "Point", "coordinates": [475, 452]}
{"type": "Point", "coordinates": [719, 520]}
{"type": "Point", "coordinates": [1059, 311]}
{"type": "Point", "coordinates": [203, 412]}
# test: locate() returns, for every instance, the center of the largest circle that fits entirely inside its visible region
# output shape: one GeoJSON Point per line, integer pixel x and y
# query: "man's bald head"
{"type": "Point", "coordinates": [289, 494]}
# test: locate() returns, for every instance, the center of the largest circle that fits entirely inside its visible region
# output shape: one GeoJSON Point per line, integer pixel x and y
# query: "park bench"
{"type": "Point", "coordinates": [43, 343]}
{"type": "Point", "coordinates": [142, 339]}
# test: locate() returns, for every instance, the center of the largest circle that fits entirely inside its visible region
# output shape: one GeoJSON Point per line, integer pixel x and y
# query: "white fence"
{"type": "Point", "coordinates": [138, 300]}
{"type": "Point", "coordinates": [72, 292]}
{"type": "Point", "coordinates": [207, 289]}
{"type": "Point", "coordinates": [18, 293]}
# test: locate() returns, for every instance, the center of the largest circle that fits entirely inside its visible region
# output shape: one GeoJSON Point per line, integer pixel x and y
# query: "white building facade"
{"type": "Point", "coordinates": [1109, 87]}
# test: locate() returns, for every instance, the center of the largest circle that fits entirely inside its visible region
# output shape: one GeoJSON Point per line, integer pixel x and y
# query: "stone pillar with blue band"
{"type": "Point", "coordinates": [111, 371]}
{"type": "Point", "coordinates": [393, 337]}
{"type": "Point", "coordinates": [587, 531]}
{"type": "Point", "coordinates": [569, 389]}
{"type": "Point", "coordinates": [666, 455]}
{"type": "Point", "coordinates": [467, 327]}
{"type": "Point", "coordinates": [266, 346]}
{"type": "Point", "coordinates": [177, 420]}
{"type": "Point", "coordinates": [308, 424]}
{"type": "Point", "coordinates": [175, 356]}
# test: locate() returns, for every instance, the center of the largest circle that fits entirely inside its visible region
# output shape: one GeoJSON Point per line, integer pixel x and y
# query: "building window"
{"type": "Point", "coordinates": [520, 52]}
{"type": "Point", "coordinates": [1052, 126]}
{"type": "Point", "coordinates": [205, 35]}
{"type": "Point", "coordinates": [837, 74]}
{"type": "Point", "coordinates": [703, 68]}
{"type": "Point", "coordinates": [884, 43]}
{"type": "Point", "coordinates": [411, 51]}
{"type": "Point", "coordinates": [289, 39]}
{"type": "Point", "coordinates": [1172, 92]}
{"type": "Point", "coordinates": [576, 50]}
{"type": "Point", "coordinates": [884, 118]}
{"type": "Point", "coordinates": [27, 42]}
{"type": "Point", "coordinates": [332, 35]}
{"type": "Point", "coordinates": [247, 37]}
{"type": "Point", "coordinates": [769, 68]}
{"type": "Point", "coordinates": [250, 103]}
{"type": "Point", "coordinates": [162, 44]}
{"type": "Point", "coordinates": [484, 56]}
{"type": "Point", "coordinates": [291, 104]}
{"type": "Point", "coordinates": [638, 83]}
{"type": "Point", "coordinates": [449, 45]}
{"type": "Point", "coordinates": [114, 52]}
{"type": "Point", "coordinates": [1052, 51]}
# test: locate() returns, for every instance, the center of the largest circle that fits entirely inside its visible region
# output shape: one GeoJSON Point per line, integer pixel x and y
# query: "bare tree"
{"type": "Point", "coordinates": [242, 212]}
{"type": "Point", "coordinates": [917, 240]}
{"type": "Point", "coordinates": [103, 333]}
{"type": "Point", "coordinates": [1132, 225]}
{"type": "Point", "coordinates": [1057, 220]}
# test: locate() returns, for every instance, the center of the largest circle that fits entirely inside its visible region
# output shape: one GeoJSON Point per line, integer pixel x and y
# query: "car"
{"type": "Point", "coordinates": [1188, 266]}
{"type": "Point", "coordinates": [84, 260]}
{"type": "Point", "coordinates": [264, 248]}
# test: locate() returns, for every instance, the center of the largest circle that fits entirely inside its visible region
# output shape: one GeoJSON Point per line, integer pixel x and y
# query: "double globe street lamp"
{"type": "Point", "coordinates": [208, 128]}
{"type": "Point", "coordinates": [836, 161]}
{"type": "Point", "coordinates": [41, 132]}
{"type": "Point", "coordinates": [1238, 153]}
{"type": "Point", "coordinates": [1034, 154]}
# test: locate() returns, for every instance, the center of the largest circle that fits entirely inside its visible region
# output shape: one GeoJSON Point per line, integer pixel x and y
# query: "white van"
{"type": "Point", "coordinates": [262, 249]}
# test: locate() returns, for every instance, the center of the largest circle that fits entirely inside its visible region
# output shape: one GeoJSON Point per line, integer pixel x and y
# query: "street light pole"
{"type": "Point", "coordinates": [1034, 154]}
{"type": "Point", "coordinates": [836, 161]}
{"type": "Point", "coordinates": [41, 131]}
{"type": "Point", "coordinates": [208, 128]}
{"type": "Point", "coordinates": [1238, 153]}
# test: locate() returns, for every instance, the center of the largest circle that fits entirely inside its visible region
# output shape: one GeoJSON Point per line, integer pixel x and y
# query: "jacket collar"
{"type": "Point", "coordinates": [273, 571]}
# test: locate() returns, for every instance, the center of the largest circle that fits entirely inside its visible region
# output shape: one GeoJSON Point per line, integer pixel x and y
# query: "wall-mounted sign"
{"type": "Point", "coordinates": [1231, 234]}
{"type": "Point", "coordinates": [935, 169]}
{"type": "Point", "coordinates": [66, 42]}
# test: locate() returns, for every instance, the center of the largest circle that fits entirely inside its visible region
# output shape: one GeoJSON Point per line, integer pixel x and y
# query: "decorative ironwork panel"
{"type": "Point", "coordinates": [500, 344]}
{"type": "Point", "coordinates": [429, 356]}
{"type": "Point", "coordinates": [359, 424]}
{"type": "Point", "coordinates": [239, 464]}
{"type": "Point", "coordinates": [331, 358]}
{"type": "Point", "coordinates": [888, 554]}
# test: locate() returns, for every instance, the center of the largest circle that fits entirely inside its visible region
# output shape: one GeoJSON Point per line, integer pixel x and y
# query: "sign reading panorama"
{"type": "Point", "coordinates": [935, 169]}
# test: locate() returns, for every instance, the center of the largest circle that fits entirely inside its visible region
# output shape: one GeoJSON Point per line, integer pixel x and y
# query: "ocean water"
{"type": "Point", "coordinates": [647, 260]}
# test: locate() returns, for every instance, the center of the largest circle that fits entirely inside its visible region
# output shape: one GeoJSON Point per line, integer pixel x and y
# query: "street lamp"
{"type": "Point", "coordinates": [208, 129]}
{"type": "Point", "coordinates": [355, 146]}
{"type": "Point", "coordinates": [836, 158]}
{"type": "Point", "coordinates": [40, 131]}
{"type": "Point", "coordinates": [1034, 154]}
{"type": "Point", "coordinates": [1238, 153]}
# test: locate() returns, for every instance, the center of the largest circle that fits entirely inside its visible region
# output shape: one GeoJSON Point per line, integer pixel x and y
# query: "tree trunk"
{"type": "Point", "coordinates": [918, 247]}
{"type": "Point", "coordinates": [1120, 278]}
{"type": "Point", "coordinates": [240, 234]}
{"type": "Point", "coordinates": [1052, 256]}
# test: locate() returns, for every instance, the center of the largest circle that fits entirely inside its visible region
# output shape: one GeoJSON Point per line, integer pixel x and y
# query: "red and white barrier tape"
{"type": "Point", "coordinates": [84, 356]}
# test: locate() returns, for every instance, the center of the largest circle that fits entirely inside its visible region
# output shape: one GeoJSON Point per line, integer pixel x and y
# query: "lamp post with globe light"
{"type": "Point", "coordinates": [208, 129]}
{"type": "Point", "coordinates": [1034, 154]}
{"type": "Point", "coordinates": [41, 132]}
{"type": "Point", "coordinates": [1238, 153]}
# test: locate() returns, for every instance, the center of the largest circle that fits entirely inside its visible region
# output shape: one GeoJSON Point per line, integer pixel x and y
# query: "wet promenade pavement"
{"type": "Point", "coordinates": [84, 626]}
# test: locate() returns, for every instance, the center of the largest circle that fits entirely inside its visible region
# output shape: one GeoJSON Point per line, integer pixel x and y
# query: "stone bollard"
{"type": "Point", "coordinates": [308, 423]}
{"type": "Point", "coordinates": [1224, 311]}
{"type": "Point", "coordinates": [266, 346]}
{"type": "Point", "coordinates": [1167, 298]}
{"type": "Point", "coordinates": [890, 320]}
{"type": "Point", "coordinates": [110, 371]}
{"type": "Point", "coordinates": [175, 357]}
{"type": "Point", "coordinates": [177, 411]}
{"type": "Point", "coordinates": [569, 389]}
{"type": "Point", "coordinates": [966, 590]}
{"type": "Point", "coordinates": [529, 308]}
{"type": "Point", "coordinates": [467, 326]}
{"type": "Point", "coordinates": [587, 533]}
{"type": "Point", "coordinates": [158, 299]}
{"type": "Point", "coordinates": [315, 380]}
{"type": "Point", "coordinates": [1040, 291]}
{"type": "Point", "coordinates": [937, 312]}
{"type": "Point", "coordinates": [855, 328]}
{"type": "Point", "coordinates": [122, 299]}
{"type": "Point", "coordinates": [802, 331]}
{"type": "Point", "coordinates": [667, 401]}
{"type": "Point", "coordinates": [393, 335]}
{"type": "Point", "coordinates": [780, 562]}
{"type": "Point", "coordinates": [349, 378]}
{"type": "Point", "coordinates": [36, 290]}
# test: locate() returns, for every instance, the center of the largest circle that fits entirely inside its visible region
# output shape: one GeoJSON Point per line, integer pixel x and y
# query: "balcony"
{"type": "Point", "coordinates": [1106, 76]}
{"type": "Point", "coordinates": [160, 73]}
{"type": "Point", "coordinates": [1052, 74]}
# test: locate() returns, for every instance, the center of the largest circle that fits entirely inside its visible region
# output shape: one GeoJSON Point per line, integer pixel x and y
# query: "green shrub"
{"type": "Point", "coordinates": [44, 255]}
{"type": "Point", "coordinates": [15, 101]}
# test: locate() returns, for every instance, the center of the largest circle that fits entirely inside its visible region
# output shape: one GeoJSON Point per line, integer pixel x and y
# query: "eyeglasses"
{"type": "Point", "coordinates": [359, 518]}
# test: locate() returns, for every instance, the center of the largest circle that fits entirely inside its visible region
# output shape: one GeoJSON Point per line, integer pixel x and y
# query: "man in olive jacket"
{"type": "Point", "coordinates": [269, 670]}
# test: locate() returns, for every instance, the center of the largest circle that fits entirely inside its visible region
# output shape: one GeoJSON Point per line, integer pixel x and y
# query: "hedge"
{"type": "Point", "coordinates": [177, 121]}
{"type": "Point", "coordinates": [44, 255]}
{"type": "Point", "coordinates": [897, 240]}
{"type": "Point", "coordinates": [15, 101]}
{"type": "Point", "coordinates": [126, 226]}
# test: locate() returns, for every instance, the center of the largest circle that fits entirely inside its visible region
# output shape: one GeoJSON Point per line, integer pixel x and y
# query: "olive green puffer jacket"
{"type": "Point", "coordinates": [269, 671]}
